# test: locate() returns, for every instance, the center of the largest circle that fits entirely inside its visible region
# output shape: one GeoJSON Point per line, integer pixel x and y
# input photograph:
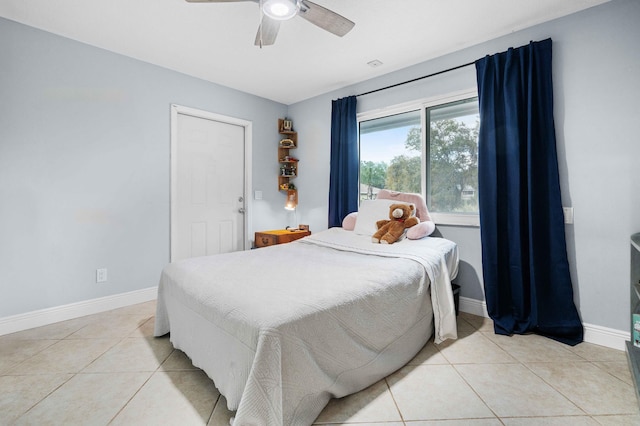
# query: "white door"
{"type": "Point", "coordinates": [207, 184]}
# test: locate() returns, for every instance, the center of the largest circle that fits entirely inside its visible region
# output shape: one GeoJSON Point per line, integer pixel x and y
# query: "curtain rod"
{"type": "Point", "coordinates": [416, 79]}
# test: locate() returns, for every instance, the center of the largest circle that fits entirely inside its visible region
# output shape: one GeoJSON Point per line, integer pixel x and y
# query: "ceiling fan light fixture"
{"type": "Point", "coordinates": [280, 10]}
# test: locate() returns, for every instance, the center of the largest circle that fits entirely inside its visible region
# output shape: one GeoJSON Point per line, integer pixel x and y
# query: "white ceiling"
{"type": "Point", "coordinates": [215, 41]}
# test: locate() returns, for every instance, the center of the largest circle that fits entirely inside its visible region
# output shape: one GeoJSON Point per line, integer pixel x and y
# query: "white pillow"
{"type": "Point", "coordinates": [369, 213]}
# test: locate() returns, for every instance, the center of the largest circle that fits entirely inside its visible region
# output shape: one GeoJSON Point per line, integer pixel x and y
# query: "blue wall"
{"type": "Point", "coordinates": [596, 89]}
{"type": "Point", "coordinates": [84, 166]}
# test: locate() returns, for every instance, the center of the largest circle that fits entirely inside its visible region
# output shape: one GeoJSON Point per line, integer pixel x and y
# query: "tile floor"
{"type": "Point", "coordinates": [109, 369]}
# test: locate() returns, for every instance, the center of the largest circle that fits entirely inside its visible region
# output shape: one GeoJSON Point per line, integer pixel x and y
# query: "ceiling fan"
{"type": "Point", "coordinates": [275, 11]}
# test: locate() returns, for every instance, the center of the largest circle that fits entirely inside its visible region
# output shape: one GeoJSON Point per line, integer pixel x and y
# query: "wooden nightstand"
{"type": "Point", "coordinates": [278, 236]}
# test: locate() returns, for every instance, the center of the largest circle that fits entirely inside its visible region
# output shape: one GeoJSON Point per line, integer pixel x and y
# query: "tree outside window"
{"type": "Point", "coordinates": [392, 156]}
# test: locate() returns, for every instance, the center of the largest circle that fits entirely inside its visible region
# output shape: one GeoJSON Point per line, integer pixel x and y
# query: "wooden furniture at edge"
{"type": "Point", "coordinates": [290, 167]}
{"type": "Point", "coordinates": [278, 236]}
{"type": "Point", "coordinates": [633, 352]}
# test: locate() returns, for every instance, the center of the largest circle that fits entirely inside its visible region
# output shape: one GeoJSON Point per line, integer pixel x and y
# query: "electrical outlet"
{"type": "Point", "coordinates": [568, 214]}
{"type": "Point", "coordinates": [101, 275]}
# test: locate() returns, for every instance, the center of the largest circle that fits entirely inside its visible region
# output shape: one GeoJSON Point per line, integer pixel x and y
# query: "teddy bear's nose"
{"type": "Point", "coordinates": [397, 213]}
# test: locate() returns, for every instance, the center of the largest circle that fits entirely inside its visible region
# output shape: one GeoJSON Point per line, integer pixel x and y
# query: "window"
{"type": "Point", "coordinates": [389, 156]}
{"type": "Point", "coordinates": [441, 163]}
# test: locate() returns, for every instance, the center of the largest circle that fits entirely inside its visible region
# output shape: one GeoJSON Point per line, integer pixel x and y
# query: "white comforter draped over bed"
{"type": "Point", "coordinates": [281, 330]}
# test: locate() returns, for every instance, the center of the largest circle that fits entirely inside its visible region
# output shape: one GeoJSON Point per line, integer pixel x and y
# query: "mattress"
{"type": "Point", "coordinates": [282, 330]}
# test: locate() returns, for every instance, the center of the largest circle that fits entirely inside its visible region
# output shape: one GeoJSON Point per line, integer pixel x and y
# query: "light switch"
{"type": "Point", "coordinates": [101, 275]}
{"type": "Point", "coordinates": [257, 195]}
{"type": "Point", "coordinates": [568, 214]}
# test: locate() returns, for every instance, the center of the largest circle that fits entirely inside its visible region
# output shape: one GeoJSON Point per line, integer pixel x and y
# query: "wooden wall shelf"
{"type": "Point", "coordinates": [287, 159]}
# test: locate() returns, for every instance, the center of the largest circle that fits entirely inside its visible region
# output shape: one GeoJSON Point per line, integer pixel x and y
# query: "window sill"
{"type": "Point", "coordinates": [455, 219]}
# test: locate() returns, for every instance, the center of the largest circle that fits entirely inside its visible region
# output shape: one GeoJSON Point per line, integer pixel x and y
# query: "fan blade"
{"type": "Point", "coordinates": [325, 18]}
{"type": "Point", "coordinates": [267, 32]}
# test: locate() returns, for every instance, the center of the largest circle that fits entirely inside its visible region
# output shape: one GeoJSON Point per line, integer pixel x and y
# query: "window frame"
{"type": "Point", "coordinates": [452, 219]}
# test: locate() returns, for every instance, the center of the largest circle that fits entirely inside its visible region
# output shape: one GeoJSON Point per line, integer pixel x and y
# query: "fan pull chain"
{"type": "Point", "coordinates": [261, 13]}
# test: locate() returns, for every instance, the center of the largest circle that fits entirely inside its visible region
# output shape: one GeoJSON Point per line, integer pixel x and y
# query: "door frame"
{"type": "Point", "coordinates": [248, 128]}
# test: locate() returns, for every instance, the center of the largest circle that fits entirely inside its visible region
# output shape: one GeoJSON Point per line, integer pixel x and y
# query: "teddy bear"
{"type": "Point", "coordinates": [401, 217]}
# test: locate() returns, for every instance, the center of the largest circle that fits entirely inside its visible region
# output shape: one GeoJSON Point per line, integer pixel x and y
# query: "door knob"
{"type": "Point", "coordinates": [241, 210]}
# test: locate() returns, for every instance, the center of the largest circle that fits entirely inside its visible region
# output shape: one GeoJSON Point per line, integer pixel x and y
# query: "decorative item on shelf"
{"type": "Point", "coordinates": [287, 125]}
{"type": "Point", "coordinates": [288, 170]}
{"type": "Point", "coordinates": [287, 186]}
{"type": "Point", "coordinates": [287, 143]}
{"type": "Point", "coordinates": [292, 199]}
{"type": "Point", "coordinates": [303, 227]}
{"type": "Point", "coordinates": [288, 159]}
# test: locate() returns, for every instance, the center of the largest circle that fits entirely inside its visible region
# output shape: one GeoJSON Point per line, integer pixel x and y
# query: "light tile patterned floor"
{"type": "Point", "coordinates": [109, 369]}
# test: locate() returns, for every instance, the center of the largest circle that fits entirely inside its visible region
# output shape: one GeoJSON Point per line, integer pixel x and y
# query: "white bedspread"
{"type": "Point", "coordinates": [281, 330]}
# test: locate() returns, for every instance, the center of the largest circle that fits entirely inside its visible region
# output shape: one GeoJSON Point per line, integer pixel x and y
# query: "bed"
{"type": "Point", "coordinates": [281, 330]}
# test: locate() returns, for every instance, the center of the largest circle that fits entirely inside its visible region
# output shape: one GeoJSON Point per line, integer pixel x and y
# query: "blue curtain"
{"type": "Point", "coordinates": [343, 183]}
{"type": "Point", "coordinates": [524, 258]}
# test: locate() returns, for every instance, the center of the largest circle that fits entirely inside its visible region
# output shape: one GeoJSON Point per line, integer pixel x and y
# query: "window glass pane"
{"type": "Point", "coordinates": [390, 154]}
{"type": "Point", "coordinates": [452, 177]}
{"type": "Point", "coordinates": [392, 157]}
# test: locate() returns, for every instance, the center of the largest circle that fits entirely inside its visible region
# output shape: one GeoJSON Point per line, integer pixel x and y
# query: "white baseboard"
{"type": "Point", "coordinates": [595, 334]}
{"type": "Point", "coordinates": [474, 307]}
{"type": "Point", "coordinates": [604, 336]}
{"type": "Point", "coordinates": [48, 316]}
